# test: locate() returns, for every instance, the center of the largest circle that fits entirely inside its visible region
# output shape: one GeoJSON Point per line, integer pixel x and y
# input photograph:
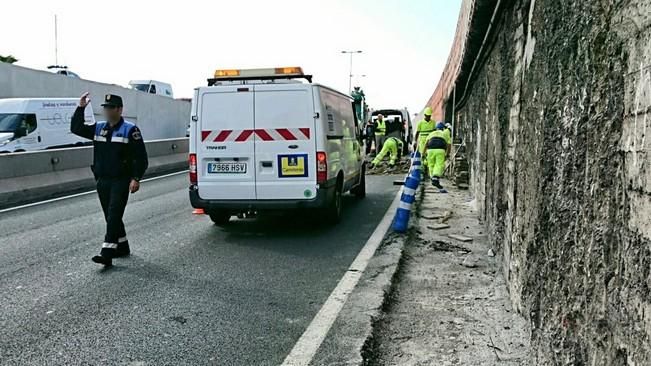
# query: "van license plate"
{"type": "Point", "coordinates": [216, 168]}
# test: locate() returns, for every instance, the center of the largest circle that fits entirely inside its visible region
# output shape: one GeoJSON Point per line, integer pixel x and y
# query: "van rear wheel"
{"type": "Point", "coordinates": [333, 211]}
{"type": "Point", "coordinates": [220, 217]}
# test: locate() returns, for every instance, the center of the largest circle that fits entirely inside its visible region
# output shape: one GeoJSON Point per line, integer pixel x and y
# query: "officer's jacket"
{"type": "Point", "coordinates": [119, 152]}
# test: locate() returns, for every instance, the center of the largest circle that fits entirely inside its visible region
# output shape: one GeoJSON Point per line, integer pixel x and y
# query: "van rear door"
{"type": "Point", "coordinates": [285, 145]}
{"type": "Point", "coordinates": [225, 151]}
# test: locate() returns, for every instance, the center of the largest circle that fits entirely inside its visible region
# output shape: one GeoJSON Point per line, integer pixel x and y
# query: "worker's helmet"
{"type": "Point", "coordinates": [427, 111]}
{"type": "Point", "coordinates": [448, 126]}
{"type": "Point", "coordinates": [440, 126]}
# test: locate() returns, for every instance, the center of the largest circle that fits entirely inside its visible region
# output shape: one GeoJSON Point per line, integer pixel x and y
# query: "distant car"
{"type": "Point", "coordinates": [152, 87]}
{"type": "Point", "coordinates": [63, 70]}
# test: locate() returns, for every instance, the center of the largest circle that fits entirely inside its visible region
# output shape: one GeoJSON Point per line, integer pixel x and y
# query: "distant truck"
{"type": "Point", "coordinates": [152, 87]}
{"type": "Point", "coordinates": [29, 124]}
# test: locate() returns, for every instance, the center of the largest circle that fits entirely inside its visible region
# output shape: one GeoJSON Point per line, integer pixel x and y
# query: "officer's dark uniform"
{"type": "Point", "coordinates": [119, 157]}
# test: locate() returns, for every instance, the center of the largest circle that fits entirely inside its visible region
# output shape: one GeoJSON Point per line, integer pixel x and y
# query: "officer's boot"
{"type": "Point", "coordinates": [123, 247]}
{"type": "Point", "coordinates": [106, 255]}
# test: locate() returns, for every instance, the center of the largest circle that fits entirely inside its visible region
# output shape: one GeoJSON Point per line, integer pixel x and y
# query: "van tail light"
{"type": "Point", "coordinates": [321, 167]}
{"type": "Point", "coordinates": [192, 161]}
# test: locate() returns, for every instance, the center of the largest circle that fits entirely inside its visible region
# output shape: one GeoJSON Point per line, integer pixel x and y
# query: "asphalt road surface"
{"type": "Point", "coordinates": [191, 293]}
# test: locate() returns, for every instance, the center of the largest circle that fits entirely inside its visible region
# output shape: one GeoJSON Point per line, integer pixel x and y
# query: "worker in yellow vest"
{"type": "Point", "coordinates": [437, 147]}
{"type": "Point", "coordinates": [423, 129]}
{"type": "Point", "coordinates": [393, 147]}
{"type": "Point", "coordinates": [380, 133]}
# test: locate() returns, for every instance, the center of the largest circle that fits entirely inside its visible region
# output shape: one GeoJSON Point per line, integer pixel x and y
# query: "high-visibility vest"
{"type": "Point", "coordinates": [424, 128]}
{"type": "Point", "coordinates": [380, 127]}
{"type": "Point", "coordinates": [440, 134]}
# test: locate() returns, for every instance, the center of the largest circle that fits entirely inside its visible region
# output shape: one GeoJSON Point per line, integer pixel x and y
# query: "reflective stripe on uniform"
{"type": "Point", "coordinates": [122, 239]}
{"type": "Point", "coordinates": [100, 138]}
{"type": "Point", "coordinates": [109, 246]}
{"type": "Point", "coordinates": [122, 140]}
{"type": "Point", "coordinates": [404, 205]}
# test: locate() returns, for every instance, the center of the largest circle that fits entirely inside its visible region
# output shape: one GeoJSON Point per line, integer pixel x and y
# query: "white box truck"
{"type": "Point", "coordinates": [263, 140]}
{"type": "Point", "coordinates": [152, 87]}
{"type": "Point", "coordinates": [28, 124]}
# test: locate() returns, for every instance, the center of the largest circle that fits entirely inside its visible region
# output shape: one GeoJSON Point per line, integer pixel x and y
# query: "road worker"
{"type": "Point", "coordinates": [393, 147]}
{"type": "Point", "coordinates": [423, 129]}
{"type": "Point", "coordinates": [380, 132]}
{"type": "Point", "coordinates": [437, 148]}
{"type": "Point", "coordinates": [119, 162]}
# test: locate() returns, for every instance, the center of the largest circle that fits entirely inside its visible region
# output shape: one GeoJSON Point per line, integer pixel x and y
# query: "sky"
{"type": "Point", "coordinates": [405, 43]}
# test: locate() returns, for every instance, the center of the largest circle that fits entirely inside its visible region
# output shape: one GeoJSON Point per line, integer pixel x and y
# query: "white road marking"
{"type": "Point", "coordinates": [306, 347]}
{"type": "Point", "coordinates": [81, 194]}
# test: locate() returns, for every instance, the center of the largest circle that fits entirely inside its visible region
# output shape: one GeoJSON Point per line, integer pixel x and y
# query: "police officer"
{"type": "Point", "coordinates": [119, 162]}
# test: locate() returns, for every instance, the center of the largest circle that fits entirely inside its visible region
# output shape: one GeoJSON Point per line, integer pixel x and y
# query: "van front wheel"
{"type": "Point", "coordinates": [220, 217]}
{"type": "Point", "coordinates": [360, 190]}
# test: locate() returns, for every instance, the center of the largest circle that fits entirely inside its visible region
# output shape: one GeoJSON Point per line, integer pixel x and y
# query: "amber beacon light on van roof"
{"type": "Point", "coordinates": [292, 72]}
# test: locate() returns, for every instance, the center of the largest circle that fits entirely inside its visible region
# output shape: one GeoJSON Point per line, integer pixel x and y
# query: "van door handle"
{"type": "Point", "coordinates": [266, 164]}
{"type": "Point", "coordinates": [293, 146]}
{"type": "Point", "coordinates": [39, 139]}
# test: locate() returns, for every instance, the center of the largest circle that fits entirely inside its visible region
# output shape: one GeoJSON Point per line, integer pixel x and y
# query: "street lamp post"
{"type": "Point", "coordinates": [350, 73]}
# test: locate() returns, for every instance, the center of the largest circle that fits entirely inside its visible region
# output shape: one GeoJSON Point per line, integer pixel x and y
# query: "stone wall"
{"type": "Point", "coordinates": [555, 123]}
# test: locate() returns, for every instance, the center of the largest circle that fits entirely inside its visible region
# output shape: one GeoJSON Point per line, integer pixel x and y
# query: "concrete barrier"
{"type": "Point", "coordinates": [158, 117]}
{"type": "Point", "coordinates": [31, 176]}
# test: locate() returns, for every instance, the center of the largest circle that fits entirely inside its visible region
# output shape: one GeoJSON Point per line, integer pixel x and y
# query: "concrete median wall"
{"type": "Point", "coordinates": [158, 117]}
{"type": "Point", "coordinates": [555, 117]}
{"type": "Point", "coordinates": [31, 176]}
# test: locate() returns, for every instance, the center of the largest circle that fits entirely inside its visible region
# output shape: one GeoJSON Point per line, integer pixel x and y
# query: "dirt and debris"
{"type": "Point", "coordinates": [383, 168]}
{"type": "Point", "coordinates": [449, 304]}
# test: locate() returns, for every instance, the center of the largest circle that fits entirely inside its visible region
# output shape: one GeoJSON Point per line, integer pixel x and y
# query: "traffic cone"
{"type": "Point", "coordinates": [198, 211]}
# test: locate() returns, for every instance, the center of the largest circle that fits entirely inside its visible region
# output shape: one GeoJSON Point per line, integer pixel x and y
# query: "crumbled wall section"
{"type": "Point", "coordinates": [556, 126]}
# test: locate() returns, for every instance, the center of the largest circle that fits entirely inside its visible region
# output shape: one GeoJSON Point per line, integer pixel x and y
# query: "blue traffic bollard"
{"type": "Point", "coordinates": [408, 195]}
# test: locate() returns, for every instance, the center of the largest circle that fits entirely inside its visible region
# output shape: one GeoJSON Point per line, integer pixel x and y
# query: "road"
{"type": "Point", "coordinates": [191, 293]}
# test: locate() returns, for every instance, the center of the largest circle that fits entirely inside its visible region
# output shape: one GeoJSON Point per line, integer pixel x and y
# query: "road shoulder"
{"type": "Point", "coordinates": [429, 299]}
{"type": "Point", "coordinates": [449, 304]}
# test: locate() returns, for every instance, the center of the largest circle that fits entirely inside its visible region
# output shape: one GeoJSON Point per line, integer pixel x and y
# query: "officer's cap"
{"type": "Point", "coordinates": [112, 100]}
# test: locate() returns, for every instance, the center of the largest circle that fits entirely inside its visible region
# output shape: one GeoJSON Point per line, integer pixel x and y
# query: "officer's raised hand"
{"type": "Point", "coordinates": [84, 100]}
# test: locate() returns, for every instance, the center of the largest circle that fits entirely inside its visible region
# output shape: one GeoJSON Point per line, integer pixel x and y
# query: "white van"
{"type": "Point", "coordinates": [28, 124]}
{"type": "Point", "coordinates": [152, 87]}
{"type": "Point", "coordinates": [261, 139]}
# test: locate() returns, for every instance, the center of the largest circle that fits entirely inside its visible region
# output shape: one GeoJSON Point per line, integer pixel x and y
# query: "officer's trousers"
{"type": "Point", "coordinates": [113, 195]}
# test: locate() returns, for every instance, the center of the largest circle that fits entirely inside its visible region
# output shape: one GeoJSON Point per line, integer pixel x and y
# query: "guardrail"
{"type": "Point", "coordinates": [36, 175]}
